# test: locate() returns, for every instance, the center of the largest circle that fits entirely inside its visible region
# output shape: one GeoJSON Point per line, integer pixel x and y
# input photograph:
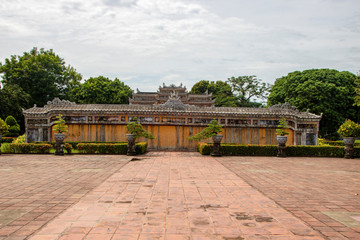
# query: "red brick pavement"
{"type": "Point", "coordinates": [323, 192]}
{"type": "Point", "coordinates": [175, 196]}
{"type": "Point", "coordinates": [34, 189]}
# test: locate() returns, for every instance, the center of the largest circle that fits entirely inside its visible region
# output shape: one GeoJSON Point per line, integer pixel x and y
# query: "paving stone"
{"type": "Point", "coordinates": [322, 192]}
{"type": "Point", "coordinates": [173, 195]}
{"type": "Point", "coordinates": [35, 189]}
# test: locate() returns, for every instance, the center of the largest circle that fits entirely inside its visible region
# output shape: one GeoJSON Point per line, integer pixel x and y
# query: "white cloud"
{"type": "Point", "coordinates": [147, 42]}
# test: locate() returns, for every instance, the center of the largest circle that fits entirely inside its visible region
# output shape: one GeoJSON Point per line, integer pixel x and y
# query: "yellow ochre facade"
{"type": "Point", "coordinates": [171, 123]}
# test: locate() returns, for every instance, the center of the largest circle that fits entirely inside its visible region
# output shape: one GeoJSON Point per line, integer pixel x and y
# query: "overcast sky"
{"type": "Point", "coordinates": [147, 42]}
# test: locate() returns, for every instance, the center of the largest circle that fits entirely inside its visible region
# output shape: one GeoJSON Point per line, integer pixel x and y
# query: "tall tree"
{"type": "Point", "coordinates": [220, 90]}
{"type": "Point", "coordinates": [249, 88]}
{"type": "Point", "coordinates": [101, 90]}
{"type": "Point", "coordinates": [324, 91]}
{"type": "Point", "coordinates": [40, 73]}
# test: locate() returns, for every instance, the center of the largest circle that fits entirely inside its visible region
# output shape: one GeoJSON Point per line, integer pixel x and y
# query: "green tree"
{"type": "Point", "coordinates": [14, 127]}
{"type": "Point", "coordinates": [12, 100]}
{"type": "Point", "coordinates": [324, 91]}
{"type": "Point", "coordinates": [357, 89]}
{"type": "Point", "coordinates": [40, 73]}
{"type": "Point", "coordinates": [220, 90]}
{"type": "Point", "coordinates": [248, 87]}
{"type": "Point", "coordinates": [101, 90]}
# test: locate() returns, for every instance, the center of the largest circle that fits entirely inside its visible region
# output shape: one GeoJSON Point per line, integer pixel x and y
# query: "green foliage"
{"type": "Point", "coordinates": [321, 91]}
{"type": "Point", "coordinates": [12, 100]}
{"type": "Point", "coordinates": [340, 143]}
{"type": "Point", "coordinates": [357, 90]}
{"type": "Point", "coordinates": [101, 90]}
{"type": "Point", "coordinates": [40, 73]}
{"type": "Point", "coordinates": [14, 127]}
{"type": "Point", "coordinates": [248, 87]}
{"type": "Point", "coordinates": [220, 90]}
{"type": "Point", "coordinates": [315, 151]}
{"type": "Point", "coordinates": [3, 127]}
{"type": "Point", "coordinates": [211, 130]}
{"type": "Point", "coordinates": [349, 129]}
{"type": "Point", "coordinates": [137, 129]}
{"type": "Point", "coordinates": [60, 126]}
{"type": "Point", "coordinates": [6, 139]}
{"type": "Point", "coordinates": [110, 148]}
{"type": "Point", "coordinates": [30, 148]}
{"type": "Point", "coordinates": [271, 150]}
{"type": "Point", "coordinates": [20, 139]}
{"type": "Point", "coordinates": [68, 147]}
{"type": "Point", "coordinates": [5, 148]}
{"type": "Point", "coordinates": [281, 128]}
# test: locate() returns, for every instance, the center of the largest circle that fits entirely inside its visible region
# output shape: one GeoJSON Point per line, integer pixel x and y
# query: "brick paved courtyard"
{"type": "Point", "coordinates": [323, 192]}
{"type": "Point", "coordinates": [34, 189]}
{"type": "Point", "coordinates": [175, 195]}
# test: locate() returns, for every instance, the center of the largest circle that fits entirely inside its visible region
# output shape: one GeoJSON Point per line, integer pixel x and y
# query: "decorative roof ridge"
{"type": "Point", "coordinates": [285, 105]}
{"type": "Point", "coordinates": [58, 102]}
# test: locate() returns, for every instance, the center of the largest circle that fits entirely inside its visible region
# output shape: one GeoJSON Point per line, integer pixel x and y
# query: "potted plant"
{"type": "Point", "coordinates": [135, 130]}
{"type": "Point", "coordinates": [212, 130]}
{"type": "Point", "coordinates": [348, 131]}
{"type": "Point", "coordinates": [281, 137]}
{"type": "Point", "coordinates": [59, 129]}
{"type": "Point", "coordinates": [3, 129]}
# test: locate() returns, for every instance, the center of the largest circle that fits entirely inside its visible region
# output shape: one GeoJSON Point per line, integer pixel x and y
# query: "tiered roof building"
{"type": "Point", "coordinates": [165, 92]}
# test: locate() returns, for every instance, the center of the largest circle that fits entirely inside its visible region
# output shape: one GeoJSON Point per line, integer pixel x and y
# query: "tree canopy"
{"type": "Point", "coordinates": [221, 92]}
{"type": "Point", "coordinates": [40, 73]}
{"type": "Point", "coordinates": [246, 88]}
{"type": "Point", "coordinates": [324, 91]}
{"type": "Point", "coordinates": [101, 90]}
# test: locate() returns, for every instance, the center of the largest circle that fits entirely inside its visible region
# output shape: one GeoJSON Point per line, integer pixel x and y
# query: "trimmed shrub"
{"type": "Point", "coordinates": [315, 151]}
{"type": "Point", "coordinates": [271, 150]}
{"type": "Point", "coordinates": [75, 144]}
{"type": "Point", "coordinates": [340, 143]}
{"type": "Point", "coordinates": [7, 139]}
{"type": "Point", "coordinates": [68, 147]}
{"type": "Point", "coordinates": [6, 148]}
{"type": "Point", "coordinates": [19, 139]}
{"type": "Point", "coordinates": [14, 127]}
{"type": "Point", "coordinates": [141, 147]}
{"type": "Point", "coordinates": [110, 148]}
{"type": "Point", "coordinates": [30, 148]}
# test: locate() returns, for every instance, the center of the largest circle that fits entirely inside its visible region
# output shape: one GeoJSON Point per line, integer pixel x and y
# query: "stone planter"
{"type": "Point", "coordinates": [349, 140]}
{"type": "Point", "coordinates": [59, 145]}
{"type": "Point", "coordinates": [131, 144]}
{"type": "Point", "coordinates": [216, 148]}
{"type": "Point", "coordinates": [349, 147]}
{"type": "Point", "coordinates": [281, 145]}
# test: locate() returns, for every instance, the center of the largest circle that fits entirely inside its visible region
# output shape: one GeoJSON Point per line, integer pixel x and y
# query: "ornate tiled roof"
{"type": "Point", "coordinates": [66, 106]}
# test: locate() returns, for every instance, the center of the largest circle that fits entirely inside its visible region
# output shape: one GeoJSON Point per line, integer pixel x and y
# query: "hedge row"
{"type": "Point", "coordinates": [7, 139]}
{"type": "Point", "coordinates": [113, 148]}
{"type": "Point", "coordinates": [340, 143]}
{"type": "Point", "coordinates": [30, 148]}
{"type": "Point", "coordinates": [74, 144]}
{"type": "Point", "coordinates": [271, 150]}
{"type": "Point", "coordinates": [103, 148]}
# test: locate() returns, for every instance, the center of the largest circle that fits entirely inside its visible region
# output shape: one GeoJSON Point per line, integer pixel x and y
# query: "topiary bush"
{"type": "Point", "coordinates": [14, 127]}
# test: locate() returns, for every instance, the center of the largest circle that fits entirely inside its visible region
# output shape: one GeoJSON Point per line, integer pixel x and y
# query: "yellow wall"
{"type": "Point", "coordinates": [170, 137]}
